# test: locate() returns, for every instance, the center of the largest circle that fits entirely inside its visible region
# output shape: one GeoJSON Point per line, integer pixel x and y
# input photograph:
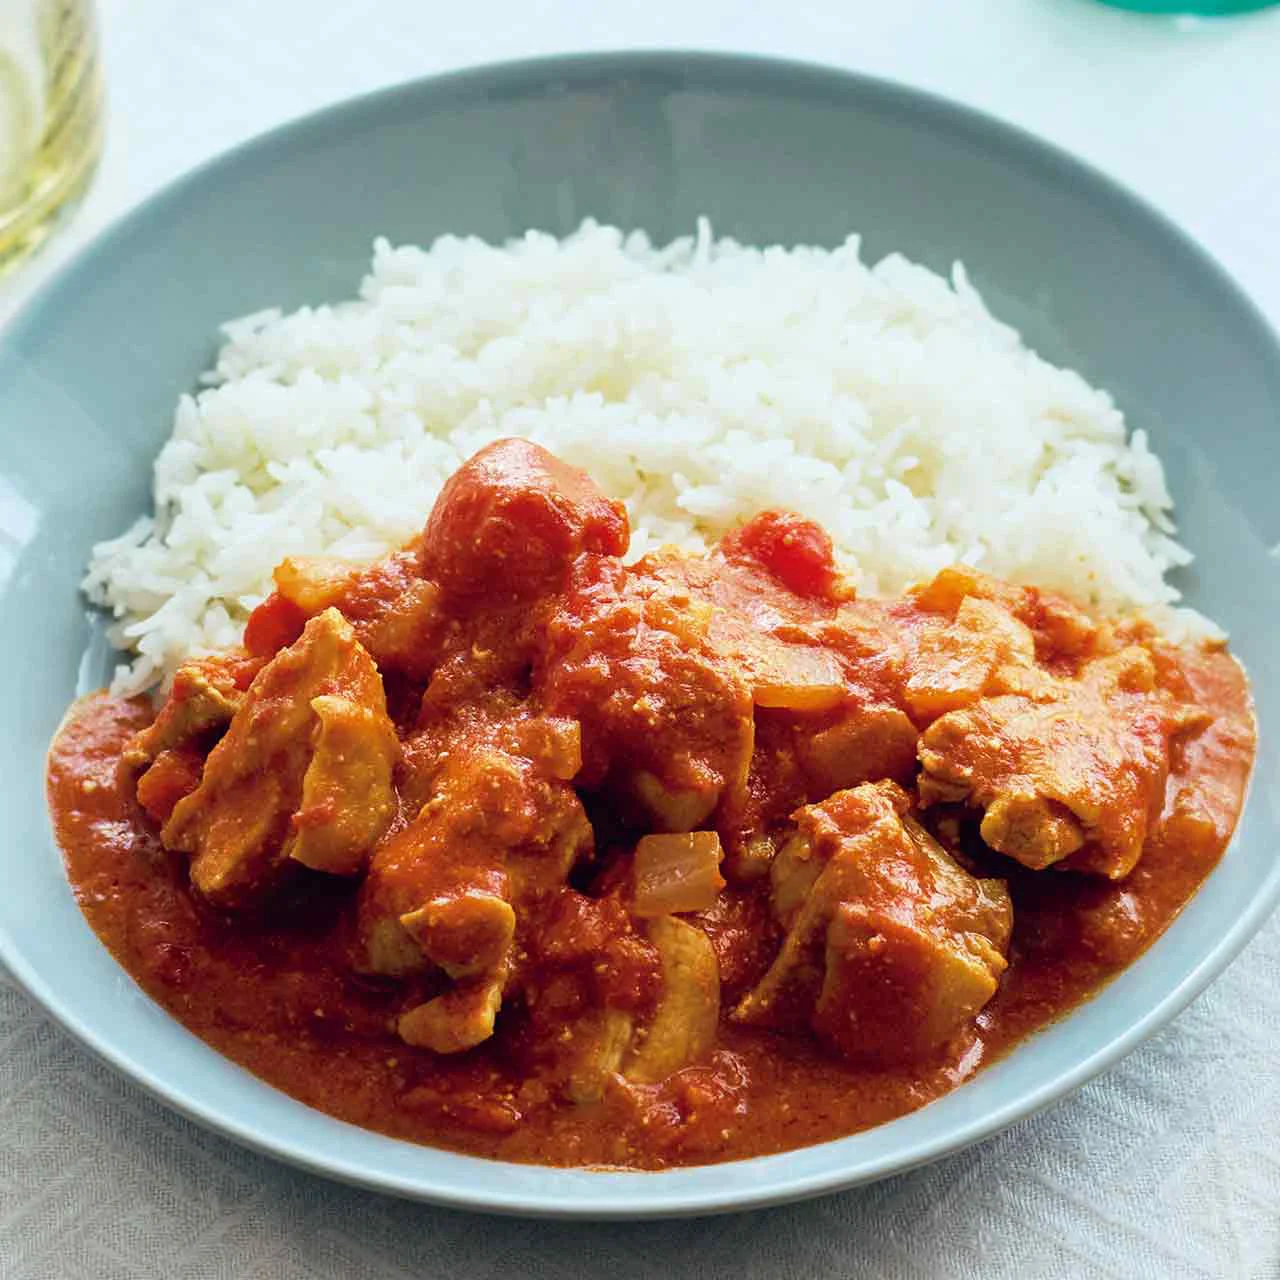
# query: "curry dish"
{"type": "Point", "coordinates": [504, 845]}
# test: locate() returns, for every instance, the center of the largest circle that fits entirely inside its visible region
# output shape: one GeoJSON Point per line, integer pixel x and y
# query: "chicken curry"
{"type": "Point", "coordinates": [506, 845]}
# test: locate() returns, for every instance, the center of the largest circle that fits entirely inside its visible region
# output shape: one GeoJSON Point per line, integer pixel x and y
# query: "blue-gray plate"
{"type": "Point", "coordinates": [772, 152]}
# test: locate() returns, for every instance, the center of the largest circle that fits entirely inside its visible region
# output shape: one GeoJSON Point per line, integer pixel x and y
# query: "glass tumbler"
{"type": "Point", "coordinates": [50, 116]}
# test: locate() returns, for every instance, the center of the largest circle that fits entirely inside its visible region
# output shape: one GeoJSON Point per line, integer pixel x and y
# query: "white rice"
{"type": "Point", "coordinates": [699, 382]}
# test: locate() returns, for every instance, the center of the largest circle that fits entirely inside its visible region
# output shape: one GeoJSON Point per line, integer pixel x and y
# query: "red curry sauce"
{"type": "Point", "coordinates": [270, 982]}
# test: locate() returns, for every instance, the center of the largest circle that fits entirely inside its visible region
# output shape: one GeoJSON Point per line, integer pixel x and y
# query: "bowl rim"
{"type": "Point", "coordinates": [652, 1194]}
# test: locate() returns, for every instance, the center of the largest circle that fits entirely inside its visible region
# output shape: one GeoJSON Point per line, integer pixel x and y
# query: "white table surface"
{"type": "Point", "coordinates": [1169, 1165]}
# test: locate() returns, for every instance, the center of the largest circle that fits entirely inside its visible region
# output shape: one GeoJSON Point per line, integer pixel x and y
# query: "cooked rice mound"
{"type": "Point", "coordinates": [700, 382]}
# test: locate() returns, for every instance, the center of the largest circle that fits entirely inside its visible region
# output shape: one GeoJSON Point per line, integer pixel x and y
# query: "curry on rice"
{"type": "Point", "coordinates": [505, 845]}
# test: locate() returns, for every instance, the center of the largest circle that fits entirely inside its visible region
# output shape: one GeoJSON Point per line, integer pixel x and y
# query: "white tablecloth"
{"type": "Point", "coordinates": [1169, 1165]}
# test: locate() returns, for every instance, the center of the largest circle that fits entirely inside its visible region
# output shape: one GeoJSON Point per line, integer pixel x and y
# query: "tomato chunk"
{"type": "Point", "coordinates": [274, 625]}
{"type": "Point", "coordinates": [513, 519]}
{"type": "Point", "coordinates": [795, 551]}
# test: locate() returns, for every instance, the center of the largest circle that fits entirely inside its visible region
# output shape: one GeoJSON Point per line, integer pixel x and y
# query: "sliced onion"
{"type": "Point", "coordinates": [676, 872]}
{"type": "Point", "coordinates": [313, 583]}
{"type": "Point", "coordinates": [799, 679]}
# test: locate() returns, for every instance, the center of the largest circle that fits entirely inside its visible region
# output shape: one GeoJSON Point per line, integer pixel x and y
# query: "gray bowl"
{"type": "Point", "coordinates": [771, 152]}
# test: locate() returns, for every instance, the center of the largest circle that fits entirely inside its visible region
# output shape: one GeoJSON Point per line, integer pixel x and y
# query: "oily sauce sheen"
{"type": "Point", "coordinates": [274, 980]}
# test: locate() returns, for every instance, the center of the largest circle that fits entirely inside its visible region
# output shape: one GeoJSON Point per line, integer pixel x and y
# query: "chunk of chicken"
{"type": "Point", "coordinates": [466, 933]}
{"type": "Point", "coordinates": [495, 829]}
{"type": "Point", "coordinates": [1074, 774]}
{"type": "Point", "coordinates": [393, 609]}
{"type": "Point", "coordinates": [754, 624]}
{"type": "Point", "coordinates": [597, 1043]}
{"type": "Point", "coordinates": [821, 672]}
{"type": "Point", "coordinates": [595, 977]}
{"type": "Point", "coordinates": [983, 650]}
{"type": "Point", "coordinates": [303, 773]}
{"type": "Point", "coordinates": [1057, 626]}
{"type": "Point", "coordinates": [799, 759]}
{"type": "Point", "coordinates": [456, 1021]}
{"type": "Point", "coordinates": [666, 718]}
{"type": "Point", "coordinates": [645, 1050]}
{"type": "Point", "coordinates": [501, 829]}
{"type": "Point", "coordinates": [202, 699]}
{"type": "Point", "coordinates": [347, 801]}
{"type": "Point", "coordinates": [678, 665]}
{"type": "Point", "coordinates": [866, 743]}
{"type": "Point", "coordinates": [168, 755]}
{"type": "Point", "coordinates": [891, 947]}
{"type": "Point", "coordinates": [683, 1027]}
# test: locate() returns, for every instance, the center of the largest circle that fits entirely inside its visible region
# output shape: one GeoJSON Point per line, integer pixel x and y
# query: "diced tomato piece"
{"type": "Point", "coordinates": [513, 519]}
{"type": "Point", "coordinates": [795, 551]}
{"type": "Point", "coordinates": [275, 624]}
{"type": "Point", "coordinates": [243, 667]}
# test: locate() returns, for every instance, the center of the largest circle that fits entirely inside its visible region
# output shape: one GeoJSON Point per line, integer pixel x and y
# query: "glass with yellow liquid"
{"type": "Point", "coordinates": [50, 116]}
